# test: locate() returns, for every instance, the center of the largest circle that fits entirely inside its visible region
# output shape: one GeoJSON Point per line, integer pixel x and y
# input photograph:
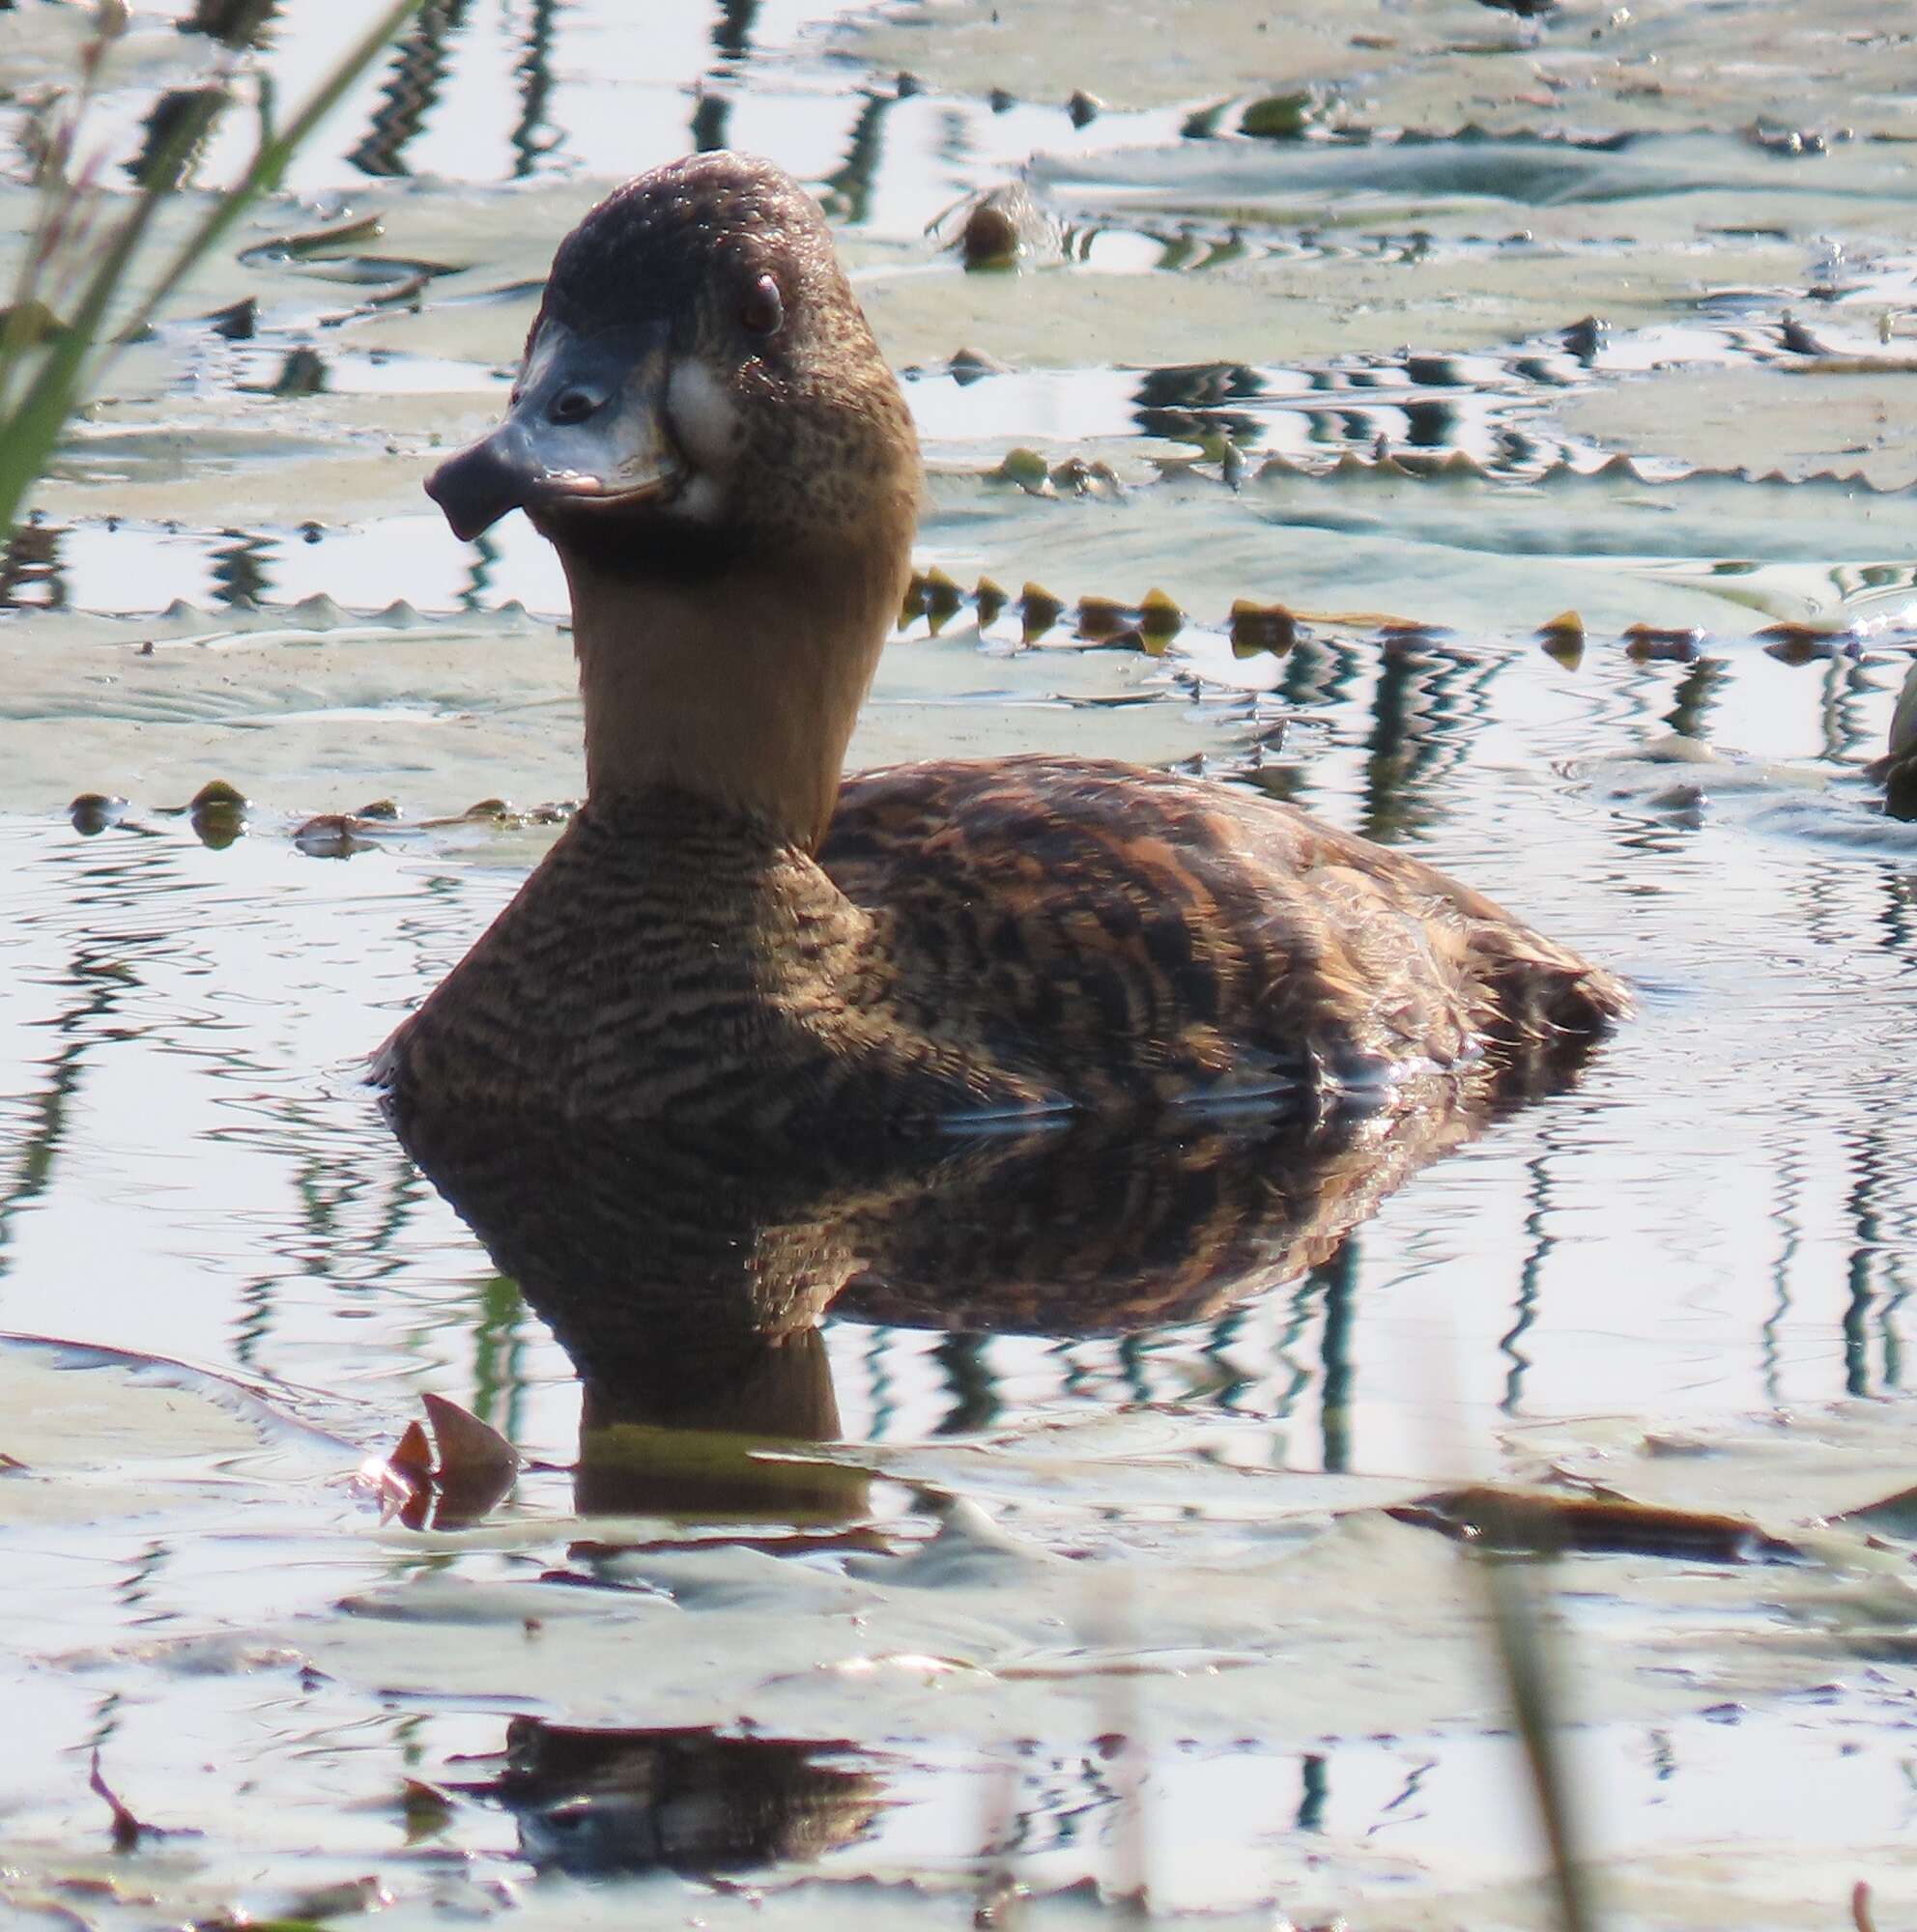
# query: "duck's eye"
{"type": "Point", "coordinates": [571, 406]}
{"type": "Point", "coordinates": [763, 310]}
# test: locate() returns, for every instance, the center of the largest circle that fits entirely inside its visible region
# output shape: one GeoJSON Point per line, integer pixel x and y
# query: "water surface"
{"type": "Point", "coordinates": [1079, 1563]}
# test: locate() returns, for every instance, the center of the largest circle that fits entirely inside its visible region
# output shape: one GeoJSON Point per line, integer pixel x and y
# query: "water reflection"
{"type": "Point", "coordinates": [534, 134]}
{"type": "Point", "coordinates": [686, 1284]}
{"type": "Point", "coordinates": [846, 192]}
{"type": "Point", "coordinates": [31, 570]}
{"type": "Point", "coordinates": [237, 23]}
{"type": "Point", "coordinates": [690, 1799]}
{"type": "Point", "coordinates": [421, 65]}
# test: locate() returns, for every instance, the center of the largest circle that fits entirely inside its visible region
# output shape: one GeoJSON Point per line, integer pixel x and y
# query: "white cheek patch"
{"type": "Point", "coordinates": [703, 418]}
{"type": "Point", "coordinates": [701, 500]}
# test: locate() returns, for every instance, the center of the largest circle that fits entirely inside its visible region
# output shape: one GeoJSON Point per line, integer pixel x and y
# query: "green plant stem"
{"type": "Point", "coordinates": [74, 362]}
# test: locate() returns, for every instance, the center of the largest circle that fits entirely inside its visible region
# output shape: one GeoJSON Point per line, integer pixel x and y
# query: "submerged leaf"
{"type": "Point", "coordinates": [1514, 1519]}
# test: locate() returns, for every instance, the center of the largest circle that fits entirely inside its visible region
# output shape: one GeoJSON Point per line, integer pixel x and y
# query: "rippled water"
{"type": "Point", "coordinates": [1078, 1558]}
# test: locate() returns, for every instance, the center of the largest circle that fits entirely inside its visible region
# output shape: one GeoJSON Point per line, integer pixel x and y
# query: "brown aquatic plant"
{"type": "Point", "coordinates": [129, 1832]}
{"type": "Point", "coordinates": [455, 1475]}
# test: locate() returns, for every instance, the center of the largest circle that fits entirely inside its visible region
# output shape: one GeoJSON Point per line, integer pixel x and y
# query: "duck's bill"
{"type": "Point", "coordinates": [586, 430]}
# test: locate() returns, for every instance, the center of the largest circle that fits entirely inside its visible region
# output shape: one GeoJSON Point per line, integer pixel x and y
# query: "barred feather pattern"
{"type": "Point", "coordinates": [983, 938]}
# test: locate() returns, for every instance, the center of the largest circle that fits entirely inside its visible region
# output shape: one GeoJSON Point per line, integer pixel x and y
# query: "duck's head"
{"type": "Point", "coordinates": [705, 430]}
{"type": "Point", "coordinates": [699, 384]}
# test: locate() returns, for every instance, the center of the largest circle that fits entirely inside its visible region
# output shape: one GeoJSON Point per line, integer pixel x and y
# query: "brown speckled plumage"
{"type": "Point", "coordinates": [715, 945]}
{"type": "Point", "coordinates": [976, 938]}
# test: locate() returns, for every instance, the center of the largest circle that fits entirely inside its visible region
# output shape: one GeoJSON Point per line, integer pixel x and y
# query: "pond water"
{"type": "Point", "coordinates": [1059, 1519]}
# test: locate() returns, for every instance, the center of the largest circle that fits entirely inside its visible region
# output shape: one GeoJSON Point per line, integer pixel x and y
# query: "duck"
{"type": "Point", "coordinates": [732, 940]}
{"type": "Point", "coordinates": [1896, 770]}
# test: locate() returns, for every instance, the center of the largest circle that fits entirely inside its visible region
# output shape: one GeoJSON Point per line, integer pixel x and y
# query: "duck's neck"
{"type": "Point", "coordinates": [741, 688]}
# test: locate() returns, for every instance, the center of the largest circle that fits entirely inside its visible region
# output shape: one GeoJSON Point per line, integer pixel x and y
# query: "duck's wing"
{"type": "Point", "coordinates": [1171, 939]}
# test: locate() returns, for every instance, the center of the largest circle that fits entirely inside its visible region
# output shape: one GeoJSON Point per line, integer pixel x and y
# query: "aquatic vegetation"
{"type": "Point", "coordinates": [94, 274]}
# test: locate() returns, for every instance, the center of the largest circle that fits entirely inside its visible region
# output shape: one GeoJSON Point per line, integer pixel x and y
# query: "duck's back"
{"type": "Point", "coordinates": [1132, 936]}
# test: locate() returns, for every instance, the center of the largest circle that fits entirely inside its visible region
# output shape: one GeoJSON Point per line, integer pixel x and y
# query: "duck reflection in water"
{"type": "Point", "coordinates": [688, 1800]}
{"type": "Point", "coordinates": [687, 1284]}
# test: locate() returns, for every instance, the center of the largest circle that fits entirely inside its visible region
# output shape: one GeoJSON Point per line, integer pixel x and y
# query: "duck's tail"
{"type": "Point", "coordinates": [1543, 1005]}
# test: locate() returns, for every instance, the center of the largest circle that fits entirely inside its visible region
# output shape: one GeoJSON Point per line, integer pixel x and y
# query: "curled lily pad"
{"type": "Point", "coordinates": [1004, 226]}
{"type": "Point", "coordinates": [461, 1473]}
{"type": "Point", "coordinates": [1563, 639]}
{"type": "Point", "coordinates": [933, 595]}
{"type": "Point", "coordinates": [942, 599]}
{"type": "Point", "coordinates": [1656, 644]}
{"type": "Point", "coordinates": [1102, 617]}
{"type": "Point", "coordinates": [1585, 338]}
{"type": "Point", "coordinates": [1086, 479]}
{"type": "Point", "coordinates": [1039, 610]}
{"type": "Point", "coordinates": [1027, 468]}
{"type": "Point", "coordinates": [972, 365]}
{"type": "Point", "coordinates": [913, 607]}
{"type": "Point", "coordinates": [217, 813]}
{"type": "Point", "coordinates": [94, 811]}
{"type": "Point", "coordinates": [237, 322]}
{"type": "Point", "coordinates": [427, 1809]}
{"type": "Point", "coordinates": [1159, 616]}
{"type": "Point", "coordinates": [1202, 124]}
{"type": "Point", "coordinates": [313, 244]}
{"type": "Point", "coordinates": [331, 836]}
{"type": "Point", "coordinates": [30, 325]}
{"type": "Point", "coordinates": [1148, 626]}
{"type": "Point", "coordinates": [1289, 116]}
{"type": "Point", "coordinates": [1261, 627]}
{"type": "Point", "coordinates": [304, 373]}
{"type": "Point", "coordinates": [1808, 643]}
